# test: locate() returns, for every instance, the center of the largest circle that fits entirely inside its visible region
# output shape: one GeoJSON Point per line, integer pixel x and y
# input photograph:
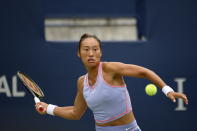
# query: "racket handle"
{"type": "Point", "coordinates": [36, 99]}
{"type": "Point", "coordinates": [40, 108]}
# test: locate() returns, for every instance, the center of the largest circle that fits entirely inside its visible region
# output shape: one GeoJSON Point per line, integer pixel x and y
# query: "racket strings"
{"type": "Point", "coordinates": [31, 85]}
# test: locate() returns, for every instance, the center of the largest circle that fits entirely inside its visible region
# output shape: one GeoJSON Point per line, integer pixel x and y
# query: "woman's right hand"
{"type": "Point", "coordinates": [42, 105]}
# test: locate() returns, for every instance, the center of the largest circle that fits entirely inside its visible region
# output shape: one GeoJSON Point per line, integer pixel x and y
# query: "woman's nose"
{"type": "Point", "coordinates": [90, 52]}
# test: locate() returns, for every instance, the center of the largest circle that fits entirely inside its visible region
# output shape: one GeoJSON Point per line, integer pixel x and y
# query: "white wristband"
{"type": "Point", "coordinates": [50, 109]}
{"type": "Point", "coordinates": [166, 89]}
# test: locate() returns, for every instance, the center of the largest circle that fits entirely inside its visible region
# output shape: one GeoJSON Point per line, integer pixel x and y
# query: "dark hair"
{"type": "Point", "coordinates": [85, 36]}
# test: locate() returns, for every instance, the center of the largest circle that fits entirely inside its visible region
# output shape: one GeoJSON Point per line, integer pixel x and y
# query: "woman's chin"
{"type": "Point", "coordinates": [92, 64]}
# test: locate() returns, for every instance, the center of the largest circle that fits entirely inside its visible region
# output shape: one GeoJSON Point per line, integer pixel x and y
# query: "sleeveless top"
{"type": "Point", "coordinates": [107, 102]}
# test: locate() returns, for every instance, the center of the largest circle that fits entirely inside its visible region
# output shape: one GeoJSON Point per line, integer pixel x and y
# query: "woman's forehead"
{"type": "Point", "coordinates": [90, 42]}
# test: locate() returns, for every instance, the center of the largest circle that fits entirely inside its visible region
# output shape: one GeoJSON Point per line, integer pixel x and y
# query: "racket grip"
{"type": "Point", "coordinates": [36, 99]}
{"type": "Point", "coordinates": [40, 108]}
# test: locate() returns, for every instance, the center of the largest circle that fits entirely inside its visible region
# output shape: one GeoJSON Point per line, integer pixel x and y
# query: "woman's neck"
{"type": "Point", "coordinates": [92, 72]}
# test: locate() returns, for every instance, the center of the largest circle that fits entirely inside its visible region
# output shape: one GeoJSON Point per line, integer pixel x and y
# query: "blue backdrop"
{"type": "Point", "coordinates": [170, 51]}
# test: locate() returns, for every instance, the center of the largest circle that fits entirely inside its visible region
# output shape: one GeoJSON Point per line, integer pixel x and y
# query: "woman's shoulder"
{"type": "Point", "coordinates": [81, 79]}
{"type": "Point", "coordinates": [111, 62]}
{"type": "Point", "coordinates": [80, 82]}
{"type": "Point", "coordinates": [110, 65]}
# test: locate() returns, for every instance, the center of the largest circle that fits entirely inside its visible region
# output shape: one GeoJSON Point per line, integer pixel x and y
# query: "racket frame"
{"type": "Point", "coordinates": [35, 95]}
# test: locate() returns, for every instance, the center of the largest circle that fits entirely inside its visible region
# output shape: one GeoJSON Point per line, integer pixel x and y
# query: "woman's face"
{"type": "Point", "coordinates": [90, 52]}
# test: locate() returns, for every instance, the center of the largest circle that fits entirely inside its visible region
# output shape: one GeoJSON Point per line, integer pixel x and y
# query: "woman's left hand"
{"type": "Point", "coordinates": [174, 95]}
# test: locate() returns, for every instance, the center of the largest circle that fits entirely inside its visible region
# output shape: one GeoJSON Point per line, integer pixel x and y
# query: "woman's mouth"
{"type": "Point", "coordinates": [91, 60]}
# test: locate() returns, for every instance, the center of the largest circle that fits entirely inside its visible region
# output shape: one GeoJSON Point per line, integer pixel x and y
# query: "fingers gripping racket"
{"type": "Point", "coordinates": [32, 87]}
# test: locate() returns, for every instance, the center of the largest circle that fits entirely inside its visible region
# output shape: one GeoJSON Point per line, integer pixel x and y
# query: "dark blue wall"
{"type": "Point", "coordinates": [170, 52]}
{"type": "Point", "coordinates": [88, 8]}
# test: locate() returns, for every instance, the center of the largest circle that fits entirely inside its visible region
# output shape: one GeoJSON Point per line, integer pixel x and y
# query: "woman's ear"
{"type": "Point", "coordinates": [101, 53]}
{"type": "Point", "coordinates": [78, 54]}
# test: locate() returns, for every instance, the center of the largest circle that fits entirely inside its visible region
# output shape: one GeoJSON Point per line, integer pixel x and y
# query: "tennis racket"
{"type": "Point", "coordinates": [32, 87]}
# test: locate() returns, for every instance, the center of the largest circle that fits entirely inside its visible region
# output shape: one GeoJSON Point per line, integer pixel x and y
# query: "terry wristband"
{"type": "Point", "coordinates": [166, 89]}
{"type": "Point", "coordinates": [50, 109]}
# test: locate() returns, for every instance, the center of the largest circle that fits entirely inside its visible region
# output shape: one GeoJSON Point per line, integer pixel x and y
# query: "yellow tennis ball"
{"type": "Point", "coordinates": [151, 89]}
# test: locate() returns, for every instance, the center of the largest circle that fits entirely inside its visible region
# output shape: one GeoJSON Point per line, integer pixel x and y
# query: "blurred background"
{"type": "Point", "coordinates": [40, 38]}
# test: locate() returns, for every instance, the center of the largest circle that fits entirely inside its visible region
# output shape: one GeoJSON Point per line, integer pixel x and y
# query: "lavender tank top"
{"type": "Point", "coordinates": [107, 102]}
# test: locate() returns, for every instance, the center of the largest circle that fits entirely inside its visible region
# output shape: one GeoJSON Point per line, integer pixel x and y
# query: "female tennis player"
{"type": "Point", "coordinates": [104, 91]}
